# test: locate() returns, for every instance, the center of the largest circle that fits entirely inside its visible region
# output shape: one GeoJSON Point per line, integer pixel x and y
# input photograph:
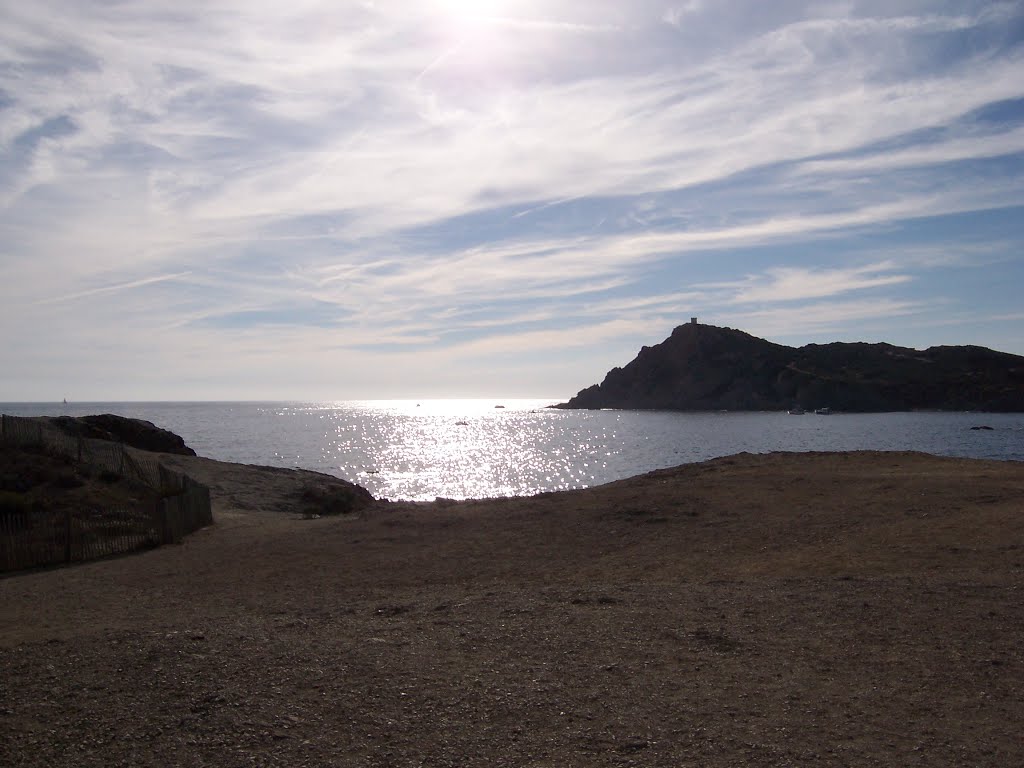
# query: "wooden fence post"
{"type": "Point", "coordinates": [163, 515]}
{"type": "Point", "coordinates": [158, 522]}
{"type": "Point", "coordinates": [67, 535]}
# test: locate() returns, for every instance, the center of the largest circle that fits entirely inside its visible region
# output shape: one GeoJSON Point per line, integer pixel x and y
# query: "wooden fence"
{"type": "Point", "coordinates": [184, 512]}
{"type": "Point", "coordinates": [30, 538]}
{"type": "Point", "coordinates": [39, 537]}
{"type": "Point", "coordinates": [103, 454]}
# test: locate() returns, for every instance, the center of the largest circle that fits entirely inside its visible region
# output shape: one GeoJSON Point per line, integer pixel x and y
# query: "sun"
{"type": "Point", "coordinates": [476, 35]}
{"type": "Point", "coordinates": [471, 11]}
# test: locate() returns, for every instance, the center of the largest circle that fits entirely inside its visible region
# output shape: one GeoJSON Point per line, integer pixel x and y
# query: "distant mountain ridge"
{"type": "Point", "coordinates": [705, 367]}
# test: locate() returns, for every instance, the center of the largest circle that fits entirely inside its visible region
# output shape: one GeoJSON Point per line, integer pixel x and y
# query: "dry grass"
{"type": "Point", "coordinates": [809, 609]}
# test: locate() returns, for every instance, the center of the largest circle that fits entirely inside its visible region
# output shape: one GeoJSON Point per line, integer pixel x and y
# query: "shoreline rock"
{"type": "Point", "coordinates": [138, 433]}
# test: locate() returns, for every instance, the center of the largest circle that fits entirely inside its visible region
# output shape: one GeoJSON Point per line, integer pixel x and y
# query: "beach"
{"type": "Point", "coordinates": [847, 609]}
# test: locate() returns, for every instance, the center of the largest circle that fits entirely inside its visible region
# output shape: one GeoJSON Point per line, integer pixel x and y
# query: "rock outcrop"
{"type": "Point", "coordinates": [704, 367]}
{"type": "Point", "coordinates": [137, 433]}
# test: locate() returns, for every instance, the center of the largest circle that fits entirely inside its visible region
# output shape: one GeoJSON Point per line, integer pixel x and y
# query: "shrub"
{"type": "Point", "coordinates": [16, 504]}
{"type": "Point", "coordinates": [333, 500]}
{"type": "Point", "coordinates": [67, 481]}
{"type": "Point", "coordinates": [12, 482]}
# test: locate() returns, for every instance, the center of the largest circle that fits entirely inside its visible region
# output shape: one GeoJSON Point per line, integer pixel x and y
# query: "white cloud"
{"type": "Point", "coordinates": [115, 288]}
{"type": "Point", "coordinates": [267, 156]}
{"type": "Point", "coordinates": [785, 284]}
{"type": "Point", "coordinates": [676, 14]}
{"type": "Point", "coordinates": [988, 145]}
{"type": "Point", "coordinates": [834, 317]}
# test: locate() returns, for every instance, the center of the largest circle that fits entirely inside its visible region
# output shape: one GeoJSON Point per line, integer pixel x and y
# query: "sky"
{"type": "Point", "coordinates": [441, 198]}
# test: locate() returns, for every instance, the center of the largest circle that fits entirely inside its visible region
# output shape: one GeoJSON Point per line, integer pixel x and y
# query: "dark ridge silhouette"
{"type": "Point", "coordinates": [705, 367]}
{"type": "Point", "coordinates": [137, 433]}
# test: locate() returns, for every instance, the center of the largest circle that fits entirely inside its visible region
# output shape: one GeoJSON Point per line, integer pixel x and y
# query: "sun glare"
{"type": "Point", "coordinates": [474, 32]}
{"type": "Point", "coordinates": [468, 12]}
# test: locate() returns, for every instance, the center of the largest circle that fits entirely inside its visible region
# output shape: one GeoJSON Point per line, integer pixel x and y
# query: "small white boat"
{"type": "Point", "coordinates": [823, 411]}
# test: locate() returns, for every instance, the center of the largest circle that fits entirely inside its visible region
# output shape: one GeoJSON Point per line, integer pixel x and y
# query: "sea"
{"type": "Point", "coordinates": [458, 449]}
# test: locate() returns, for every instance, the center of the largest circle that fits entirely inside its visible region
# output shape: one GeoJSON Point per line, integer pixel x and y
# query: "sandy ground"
{"type": "Point", "coordinates": [792, 609]}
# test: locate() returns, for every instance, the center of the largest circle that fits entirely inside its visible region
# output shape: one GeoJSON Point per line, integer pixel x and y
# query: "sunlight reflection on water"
{"type": "Point", "coordinates": [471, 449]}
{"type": "Point", "coordinates": [466, 449]}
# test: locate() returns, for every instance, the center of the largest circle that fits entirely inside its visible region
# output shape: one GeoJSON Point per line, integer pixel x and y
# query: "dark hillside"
{"type": "Point", "coordinates": [704, 367]}
{"type": "Point", "coordinates": [137, 433]}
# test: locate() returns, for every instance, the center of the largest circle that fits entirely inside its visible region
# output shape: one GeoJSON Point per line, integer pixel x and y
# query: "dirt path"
{"type": "Point", "coordinates": [802, 609]}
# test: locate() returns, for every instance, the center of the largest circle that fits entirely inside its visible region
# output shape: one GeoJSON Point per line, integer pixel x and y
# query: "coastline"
{"type": "Point", "coordinates": [516, 452]}
{"type": "Point", "coordinates": [815, 609]}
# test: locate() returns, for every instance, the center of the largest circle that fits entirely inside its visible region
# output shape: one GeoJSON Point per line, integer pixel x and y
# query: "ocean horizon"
{"type": "Point", "coordinates": [489, 447]}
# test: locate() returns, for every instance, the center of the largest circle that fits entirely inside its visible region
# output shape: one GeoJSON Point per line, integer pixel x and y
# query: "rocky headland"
{"type": "Point", "coordinates": [40, 476]}
{"type": "Point", "coordinates": [137, 433]}
{"type": "Point", "coordinates": [705, 367]}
